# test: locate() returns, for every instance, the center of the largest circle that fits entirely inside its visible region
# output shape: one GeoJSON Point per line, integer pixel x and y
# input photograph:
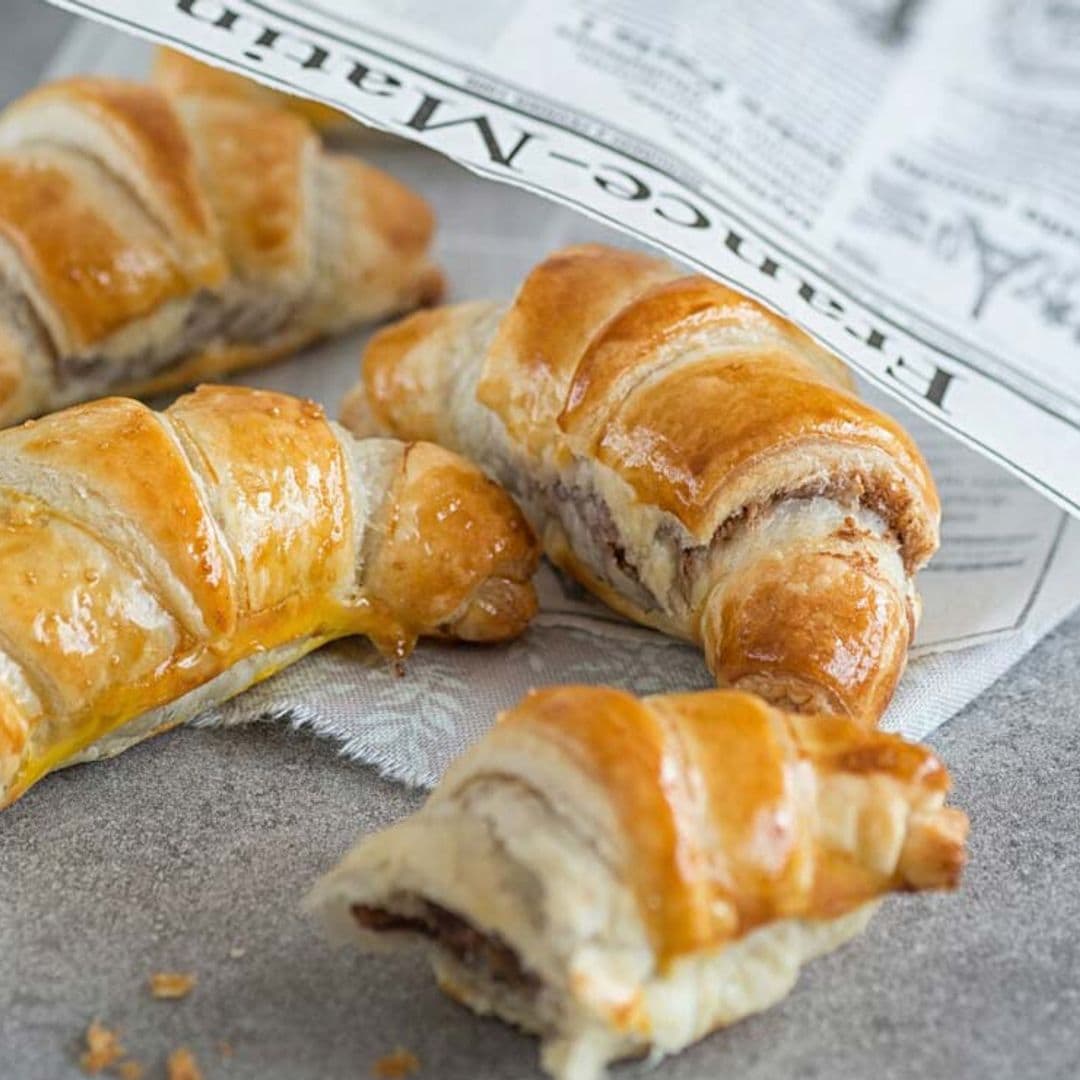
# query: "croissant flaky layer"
{"type": "Point", "coordinates": [695, 460]}
{"type": "Point", "coordinates": [620, 875]}
{"type": "Point", "coordinates": [148, 241]}
{"type": "Point", "coordinates": [157, 563]}
{"type": "Point", "coordinates": [181, 75]}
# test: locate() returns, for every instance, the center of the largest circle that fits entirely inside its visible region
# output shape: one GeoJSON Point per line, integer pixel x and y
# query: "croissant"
{"type": "Point", "coordinates": [690, 457]}
{"type": "Point", "coordinates": [621, 875]}
{"type": "Point", "coordinates": [177, 73]}
{"type": "Point", "coordinates": [158, 563]}
{"type": "Point", "coordinates": [149, 242]}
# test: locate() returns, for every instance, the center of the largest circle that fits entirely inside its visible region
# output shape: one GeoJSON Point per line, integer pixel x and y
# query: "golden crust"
{"type": "Point", "coordinates": [698, 420]}
{"type": "Point", "coordinates": [278, 486]}
{"type": "Point", "coordinates": [254, 162]}
{"type": "Point", "coordinates": [764, 405]}
{"type": "Point", "coordinates": [458, 555]}
{"type": "Point", "coordinates": [829, 626]}
{"type": "Point", "coordinates": [133, 130]}
{"type": "Point", "coordinates": [563, 302]}
{"type": "Point", "coordinates": [181, 75]}
{"type": "Point", "coordinates": [401, 385]}
{"type": "Point", "coordinates": [157, 240]}
{"type": "Point", "coordinates": [76, 617]}
{"type": "Point", "coordinates": [123, 453]}
{"type": "Point", "coordinates": [692, 851]}
{"type": "Point", "coordinates": [403, 219]}
{"type": "Point", "coordinates": [382, 233]}
{"type": "Point", "coordinates": [116, 601]}
{"type": "Point", "coordinates": [95, 279]}
{"type": "Point", "coordinates": [722, 838]}
{"type": "Point", "coordinates": [629, 348]}
{"type": "Point", "coordinates": [646, 353]}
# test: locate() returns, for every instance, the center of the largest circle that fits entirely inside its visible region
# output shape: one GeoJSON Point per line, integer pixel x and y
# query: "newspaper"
{"type": "Point", "coordinates": [914, 205]}
{"type": "Point", "coordinates": [1007, 572]}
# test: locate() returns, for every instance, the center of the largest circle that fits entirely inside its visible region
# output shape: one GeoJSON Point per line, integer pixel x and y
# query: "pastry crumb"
{"type": "Point", "coordinates": [182, 1065]}
{"type": "Point", "coordinates": [171, 985]}
{"type": "Point", "coordinates": [225, 1049]}
{"type": "Point", "coordinates": [237, 952]}
{"type": "Point", "coordinates": [102, 1049]}
{"type": "Point", "coordinates": [396, 1065]}
{"type": "Point", "coordinates": [131, 1070]}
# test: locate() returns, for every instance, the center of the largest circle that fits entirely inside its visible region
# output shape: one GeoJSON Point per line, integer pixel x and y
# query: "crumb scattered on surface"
{"type": "Point", "coordinates": [182, 1065]}
{"type": "Point", "coordinates": [236, 952]}
{"type": "Point", "coordinates": [396, 1065]}
{"type": "Point", "coordinates": [102, 1049]}
{"type": "Point", "coordinates": [131, 1070]}
{"type": "Point", "coordinates": [171, 985]}
{"type": "Point", "coordinates": [225, 1049]}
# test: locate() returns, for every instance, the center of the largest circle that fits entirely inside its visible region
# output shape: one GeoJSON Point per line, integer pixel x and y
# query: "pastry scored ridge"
{"type": "Point", "coordinates": [695, 460]}
{"type": "Point", "coordinates": [179, 74]}
{"type": "Point", "coordinates": [158, 563]}
{"type": "Point", "coordinates": [621, 875]}
{"type": "Point", "coordinates": [147, 242]}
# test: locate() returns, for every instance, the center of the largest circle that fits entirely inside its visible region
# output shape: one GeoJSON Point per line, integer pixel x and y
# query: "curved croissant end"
{"type": "Point", "coordinates": [456, 552]}
{"type": "Point", "coordinates": [123, 612]}
{"type": "Point", "coordinates": [642, 872]}
{"type": "Point", "coordinates": [692, 458]}
{"type": "Point", "coordinates": [149, 241]}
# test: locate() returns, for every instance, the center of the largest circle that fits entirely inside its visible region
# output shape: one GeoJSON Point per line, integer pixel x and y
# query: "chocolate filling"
{"type": "Point", "coordinates": [484, 953]}
{"type": "Point", "coordinates": [209, 319]}
{"type": "Point", "coordinates": [588, 522]}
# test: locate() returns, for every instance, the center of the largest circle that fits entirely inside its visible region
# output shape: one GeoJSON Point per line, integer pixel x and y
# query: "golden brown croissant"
{"type": "Point", "coordinates": [619, 874]}
{"type": "Point", "coordinates": [148, 242]}
{"type": "Point", "coordinates": [155, 564]}
{"type": "Point", "coordinates": [177, 73]}
{"type": "Point", "coordinates": [696, 461]}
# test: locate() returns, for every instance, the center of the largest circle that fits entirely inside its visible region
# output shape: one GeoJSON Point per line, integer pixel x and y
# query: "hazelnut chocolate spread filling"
{"type": "Point", "coordinates": [588, 520]}
{"type": "Point", "coordinates": [482, 952]}
{"type": "Point", "coordinates": [209, 319]}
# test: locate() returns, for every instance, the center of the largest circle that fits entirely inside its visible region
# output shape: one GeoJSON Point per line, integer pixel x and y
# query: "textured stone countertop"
{"type": "Point", "coordinates": [193, 851]}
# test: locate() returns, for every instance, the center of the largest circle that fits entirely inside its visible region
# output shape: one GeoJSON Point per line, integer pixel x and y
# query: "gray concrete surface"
{"type": "Point", "coordinates": [204, 842]}
{"type": "Point", "coordinates": [192, 853]}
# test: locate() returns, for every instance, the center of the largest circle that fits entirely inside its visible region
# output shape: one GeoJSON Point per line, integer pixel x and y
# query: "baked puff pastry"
{"type": "Point", "coordinates": [147, 242]}
{"type": "Point", "coordinates": [179, 74]}
{"type": "Point", "coordinates": [622, 875]}
{"type": "Point", "coordinates": [690, 457]}
{"type": "Point", "coordinates": [155, 564]}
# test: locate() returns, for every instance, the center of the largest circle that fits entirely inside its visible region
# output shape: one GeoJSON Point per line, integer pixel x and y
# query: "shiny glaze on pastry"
{"type": "Point", "coordinates": [179, 74]}
{"type": "Point", "coordinates": [146, 554]}
{"type": "Point", "coordinates": [148, 241]}
{"type": "Point", "coordinates": [623, 874]}
{"type": "Point", "coordinates": [692, 458]}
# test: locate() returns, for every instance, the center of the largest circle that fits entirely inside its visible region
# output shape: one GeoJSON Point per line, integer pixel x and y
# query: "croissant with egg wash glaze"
{"type": "Point", "coordinates": [149, 241]}
{"type": "Point", "coordinates": [641, 872]}
{"type": "Point", "coordinates": [693, 459]}
{"type": "Point", "coordinates": [155, 564]}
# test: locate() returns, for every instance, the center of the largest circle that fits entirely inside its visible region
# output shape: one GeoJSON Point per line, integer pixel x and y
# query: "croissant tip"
{"type": "Point", "coordinates": [500, 609]}
{"type": "Point", "coordinates": [431, 288]}
{"type": "Point", "coordinates": [935, 853]}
